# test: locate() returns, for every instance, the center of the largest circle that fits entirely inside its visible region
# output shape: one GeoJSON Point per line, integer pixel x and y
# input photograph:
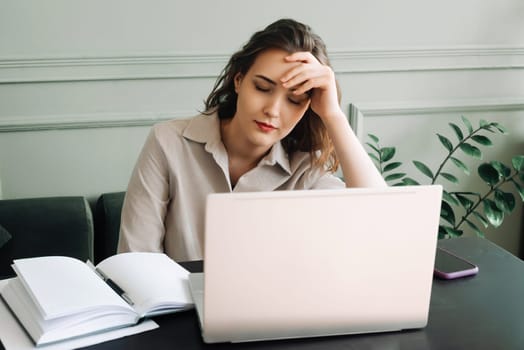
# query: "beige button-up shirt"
{"type": "Point", "coordinates": [181, 163]}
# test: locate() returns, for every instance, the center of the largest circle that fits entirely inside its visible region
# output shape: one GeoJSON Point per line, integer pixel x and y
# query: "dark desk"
{"type": "Point", "coordinates": [481, 312]}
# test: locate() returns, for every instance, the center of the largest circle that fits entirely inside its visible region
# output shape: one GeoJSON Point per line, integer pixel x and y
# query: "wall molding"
{"type": "Point", "coordinates": [357, 112]}
{"type": "Point", "coordinates": [73, 69]}
{"type": "Point", "coordinates": [428, 59]}
{"type": "Point", "coordinates": [88, 121]}
{"type": "Point", "coordinates": [28, 70]}
{"type": "Point", "coordinates": [208, 65]}
{"type": "Point", "coordinates": [441, 107]}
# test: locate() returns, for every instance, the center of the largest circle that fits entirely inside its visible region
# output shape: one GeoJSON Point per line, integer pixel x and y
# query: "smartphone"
{"type": "Point", "coordinates": [449, 266]}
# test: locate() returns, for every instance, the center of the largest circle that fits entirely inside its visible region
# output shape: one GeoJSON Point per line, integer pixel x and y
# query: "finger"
{"type": "Point", "coordinates": [316, 81]}
{"type": "Point", "coordinates": [301, 56]}
{"type": "Point", "coordinates": [299, 80]}
{"type": "Point", "coordinates": [303, 88]}
{"type": "Point", "coordinates": [317, 76]}
{"type": "Point", "coordinates": [293, 76]}
{"type": "Point", "coordinates": [303, 71]}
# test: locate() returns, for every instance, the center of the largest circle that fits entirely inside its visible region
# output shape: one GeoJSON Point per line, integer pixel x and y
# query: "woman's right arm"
{"type": "Point", "coordinates": [142, 221]}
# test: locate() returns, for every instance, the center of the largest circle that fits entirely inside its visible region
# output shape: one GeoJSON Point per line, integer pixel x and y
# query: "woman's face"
{"type": "Point", "coordinates": [266, 111]}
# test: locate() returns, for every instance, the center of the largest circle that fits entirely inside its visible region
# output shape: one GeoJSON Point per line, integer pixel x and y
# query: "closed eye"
{"type": "Point", "coordinates": [298, 100]}
{"type": "Point", "coordinates": [294, 101]}
{"type": "Point", "coordinates": [262, 88]}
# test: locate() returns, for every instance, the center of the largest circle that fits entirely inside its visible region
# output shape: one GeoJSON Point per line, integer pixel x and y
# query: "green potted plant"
{"type": "Point", "coordinates": [460, 208]}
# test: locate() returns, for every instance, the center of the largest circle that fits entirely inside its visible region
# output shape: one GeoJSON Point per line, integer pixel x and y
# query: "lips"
{"type": "Point", "coordinates": [265, 127]}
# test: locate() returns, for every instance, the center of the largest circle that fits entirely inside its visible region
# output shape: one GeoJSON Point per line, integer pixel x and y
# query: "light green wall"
{"type": "Point", "coordinates": [81, 82]}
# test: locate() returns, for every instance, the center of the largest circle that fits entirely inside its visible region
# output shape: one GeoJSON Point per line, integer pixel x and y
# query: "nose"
{"type": "Point", "coordinates": [272, 107]}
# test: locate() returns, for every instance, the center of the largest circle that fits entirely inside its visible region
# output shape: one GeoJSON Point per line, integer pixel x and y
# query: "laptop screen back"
{"type": "Point", "coordinates": [305, 263]}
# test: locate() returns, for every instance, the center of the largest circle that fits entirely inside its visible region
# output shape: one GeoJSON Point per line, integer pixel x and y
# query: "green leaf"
{"type": "Point", "coordinates": [373, 147]}
{"type": "Point", "coordinates": [457, 130]}
{"type": "Point", "coordinates": [392, 166]}
{"type": "Point", "coordinates": [519, 189]}
{"type": "Point", "coordinates": [502, 169]}
{"type": "Point", "coordinates": [494, 215]}
{"type": "Point", "coordinates": [373, 137]}
{"type": "Point", "coordinates": [372, 156]}
{"type": "Point", "coordinates": [481, 218]}
{"type": "Point", "coordinates": [467, 124]}
{"type": "Point", "coordinates": [446, 142]}
{"type": "Point", "coordinates": [387, 153]}
{"type": "Point", "coordinates": [450, 231]}
{"type": "Point", "coordinates": [500, 128]}
{"type": "Point", "coordinates": [449, 198]}
{"type": "Point", "coordinates": [471, 151]}
{"type": "Point", "coordinates": [409, 182]}
{"type": "Point", "coordinates": [469, 193]}
{"type": "Point", "coordinates": [483, 140]}
{"type": "Point", "coordinates": [475, 228]}
{"type": "Point", "coordinates": [505, 201]}
{"type": "Point", "coordinates": [447, 213]}
{"type": "Point", "coordinates": [489, 174]}
{"type": "Point", "coordinates": [464, 201]}
{"type": "Point", "coordinates": [395, 176]}
{"type": "Point", "coordinates": [483, 123]}
{"type": "Point", "coordinates": [450, 177]}
{"type": "Point", "coordinates": [442, 232]}
{"type": "Point", "coordinates": [518, 163]}
{"type": "Point", "coordinates": [423, 168]}
{"type": "Point", "coordinates": [455, 232]}
{"type": "Point", "coordinates": [460, 165]}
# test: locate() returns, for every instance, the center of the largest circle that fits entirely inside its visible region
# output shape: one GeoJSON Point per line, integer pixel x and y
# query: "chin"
{"type": "Point", "coordinates": [264, 141]}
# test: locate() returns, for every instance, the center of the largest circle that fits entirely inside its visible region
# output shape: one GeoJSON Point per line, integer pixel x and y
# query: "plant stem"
{"type": "Point", "coordinates": [481, 198]}
{"type": "Point", "coordinates": [379, 158]}
{"type": "Point", "coordinates": [451, 153]}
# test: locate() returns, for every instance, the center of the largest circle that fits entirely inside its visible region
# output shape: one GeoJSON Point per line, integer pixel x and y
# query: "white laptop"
{"type": "Point", "coordinates": [295, 264]}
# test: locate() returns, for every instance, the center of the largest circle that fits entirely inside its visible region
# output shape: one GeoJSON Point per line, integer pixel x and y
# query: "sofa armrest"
{"type": "Point", "coordinates": [107, 224]}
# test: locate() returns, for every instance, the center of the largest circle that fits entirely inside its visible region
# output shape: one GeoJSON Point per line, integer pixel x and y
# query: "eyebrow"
{"type": "Point", "coordinates": [266, 79]}
{"type": "Point", "coordinates": [308, 93]}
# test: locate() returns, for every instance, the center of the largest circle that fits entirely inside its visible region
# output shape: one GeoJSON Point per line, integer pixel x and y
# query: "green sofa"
{"type": "Point", "coordinates": [45, 226]}
{"type": "Point", "coordinates": [66, 226]}
{"type": "Point", "coordinates": [107, 224]}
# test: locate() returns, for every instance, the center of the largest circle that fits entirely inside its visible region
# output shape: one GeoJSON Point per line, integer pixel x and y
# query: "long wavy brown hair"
{"type": "Point", "coordinates": [310, 134]}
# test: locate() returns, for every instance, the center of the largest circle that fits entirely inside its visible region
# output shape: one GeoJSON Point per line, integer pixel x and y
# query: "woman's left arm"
{"type": "Point", "coordinates": [357, 166]}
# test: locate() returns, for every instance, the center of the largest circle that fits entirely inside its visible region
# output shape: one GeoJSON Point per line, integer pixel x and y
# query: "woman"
{"type": "Point", "coordinates": [272, 122]}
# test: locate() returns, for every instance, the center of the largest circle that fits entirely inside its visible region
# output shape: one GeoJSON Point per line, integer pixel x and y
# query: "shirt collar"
{"type": "Point", "coordinates": [277, 155]}
{"type": "Point", "coordinates": [203, 129]}
{"type": "Point", "coordinates": [206, 129]}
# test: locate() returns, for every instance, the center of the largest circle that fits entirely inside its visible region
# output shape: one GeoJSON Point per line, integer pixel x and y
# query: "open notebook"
{"type": "Point", "coordinates": [314, 263]}
{"type": "Point", "coordinates": [57, 297]}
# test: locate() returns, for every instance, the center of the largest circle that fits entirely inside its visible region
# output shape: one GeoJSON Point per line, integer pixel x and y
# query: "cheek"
{"type": "Point", "coordinates": [293, 116]}
{"type": "Point", "coordinates": [297, 113]}
{"type": "Point", "coordinates": [244, 105]}
{"type": "Point", "coordinates": [249, 100]}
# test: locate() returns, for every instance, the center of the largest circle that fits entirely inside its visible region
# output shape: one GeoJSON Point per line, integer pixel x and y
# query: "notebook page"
{"type": "Point", "coordinates": [150, 279]}
{"type": "Point", "coordinates": [63, 286]}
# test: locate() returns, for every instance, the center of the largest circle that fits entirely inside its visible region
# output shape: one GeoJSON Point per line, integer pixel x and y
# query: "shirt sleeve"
{"type": "Point", "coordinates": [145, 204]}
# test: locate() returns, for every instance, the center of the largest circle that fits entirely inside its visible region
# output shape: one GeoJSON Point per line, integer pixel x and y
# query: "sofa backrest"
{"type": "Point", "coordinates": [45, 226]}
